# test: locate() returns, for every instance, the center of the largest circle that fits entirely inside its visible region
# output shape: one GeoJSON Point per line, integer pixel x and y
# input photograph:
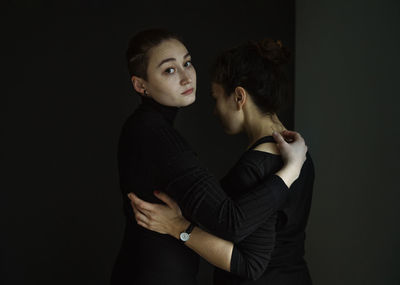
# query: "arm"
{"type": "Point", "coordinates": [248, 259]}
{"type": "Point", "coordinates": [199, 194]}
{"type": "Point", "coordinates": [251, 256]}
{"type": "Point", "coordinates": [215, 250]}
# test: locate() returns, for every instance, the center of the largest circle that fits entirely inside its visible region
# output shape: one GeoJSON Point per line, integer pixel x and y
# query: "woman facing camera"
{"type": "Point", "coordinates": [153, 155]}
{"type": "Point", "coordinates": [249, 88]}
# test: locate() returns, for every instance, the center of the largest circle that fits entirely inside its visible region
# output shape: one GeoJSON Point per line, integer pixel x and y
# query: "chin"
{"type": "Point", "coordinates": [229, 131]}
{"type": "Point", "coordinates": [189, 100]}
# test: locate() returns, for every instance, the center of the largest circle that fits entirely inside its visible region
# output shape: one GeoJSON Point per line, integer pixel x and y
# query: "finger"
{"type": "Point", "coordinates": [143, 225]}
{"type": "Point", "coordinates": [143, 211]}
{"type": "Point", "coordinates": [141, 204]}
{"type": "Point", "coordinates": [165, 198]}
{"type": "Point", "coordinates": [135, 210]}
{"type": "Point", "coordinates": [133, 206]}
{"type": "Point", "coordinates": [140, 217]}
{"type": "Point", "coordinates": [130, 195]}
{"type": "Point", "coordinates": [278, 138]}
{"type": "Point", "coordinates": [288, 136]}
{"type": "Point", "coordinates": [295, 136]}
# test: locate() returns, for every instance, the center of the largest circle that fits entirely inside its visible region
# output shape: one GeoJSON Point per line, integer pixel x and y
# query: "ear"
{"type": "Point", "coordinates": [139, 84]}
{"type": "Point", "coordinates": [240, 96]}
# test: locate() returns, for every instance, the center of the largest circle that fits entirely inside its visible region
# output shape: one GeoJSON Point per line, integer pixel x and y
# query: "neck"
{"type": "Point", "coordinates": [167, 112]}
{"type": "Point", "coordinates": [257, 125]}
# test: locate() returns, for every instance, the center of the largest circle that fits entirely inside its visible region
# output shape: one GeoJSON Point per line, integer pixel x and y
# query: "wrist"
{"type": "Point", "coordinates": [180, 226]}
{"type": "Point", "coordinates": [289, 174]}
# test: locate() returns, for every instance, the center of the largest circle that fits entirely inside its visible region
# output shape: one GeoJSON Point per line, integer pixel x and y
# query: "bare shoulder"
{"type": "Point", "coordinates": [268, 147]}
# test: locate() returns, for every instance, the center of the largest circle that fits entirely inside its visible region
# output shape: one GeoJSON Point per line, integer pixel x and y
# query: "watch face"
{"type": "Point", "coordinates": [184, 236]}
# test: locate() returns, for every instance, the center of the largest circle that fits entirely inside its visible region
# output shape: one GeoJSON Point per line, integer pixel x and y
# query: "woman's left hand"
{"type": "Point", "coordinates": [164, 219]}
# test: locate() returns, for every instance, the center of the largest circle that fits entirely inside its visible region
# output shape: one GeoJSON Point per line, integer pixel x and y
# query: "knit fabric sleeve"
{"type": "Point", "coordinates": [200, 195]}
{"type": "Point", "coordinates": [251, 256]}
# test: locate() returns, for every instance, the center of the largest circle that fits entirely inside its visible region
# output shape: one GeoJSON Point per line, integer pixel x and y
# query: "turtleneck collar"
{"type": "Point", "coordinates": [169, 113]}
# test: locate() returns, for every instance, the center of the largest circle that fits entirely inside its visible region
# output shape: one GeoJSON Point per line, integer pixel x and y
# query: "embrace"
{"type": "Point", "coordinates": [251, 224]}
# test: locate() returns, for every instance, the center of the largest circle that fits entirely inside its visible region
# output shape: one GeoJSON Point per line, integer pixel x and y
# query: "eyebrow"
{"type": "Point", "coordinates": [171, 59]}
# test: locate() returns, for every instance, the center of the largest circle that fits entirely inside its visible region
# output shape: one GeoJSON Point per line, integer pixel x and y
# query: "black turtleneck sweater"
{"type": "Point", "coordinates": [152, 156]}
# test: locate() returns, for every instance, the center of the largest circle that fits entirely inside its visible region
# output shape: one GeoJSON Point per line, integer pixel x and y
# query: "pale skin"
{"type": "Point", "coordinates": [237, 113]}
{"type": "Point", "coordinates": [170, 74]}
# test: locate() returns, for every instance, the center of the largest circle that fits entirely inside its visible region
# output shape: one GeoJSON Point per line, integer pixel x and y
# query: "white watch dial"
{"type": "Point", "coordinates": [184, 236]}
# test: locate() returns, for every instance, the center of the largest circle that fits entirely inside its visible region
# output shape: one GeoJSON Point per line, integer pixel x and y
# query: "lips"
{"type": "Point", "coordinates": [187, 92]}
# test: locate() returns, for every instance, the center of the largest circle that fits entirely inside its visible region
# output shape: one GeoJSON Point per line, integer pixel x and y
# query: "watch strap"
{"type": "Point", "coordinates": [185, 235]}
{"type": "Point", "coordinates": [190, 228]}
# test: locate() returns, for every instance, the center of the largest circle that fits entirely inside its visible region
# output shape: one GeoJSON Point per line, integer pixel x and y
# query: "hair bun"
{"type": "Point", "coordinates": [273, 50]}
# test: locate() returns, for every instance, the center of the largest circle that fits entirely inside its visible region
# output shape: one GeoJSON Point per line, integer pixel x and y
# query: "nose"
{"type": "Point", "coordinates": [185, 78]}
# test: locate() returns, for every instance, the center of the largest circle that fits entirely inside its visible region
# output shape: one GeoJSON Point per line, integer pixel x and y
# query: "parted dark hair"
{"type": "Point", "coordinates": [258, 67]}
{"type": "Point", "coordinates": [139, 46]}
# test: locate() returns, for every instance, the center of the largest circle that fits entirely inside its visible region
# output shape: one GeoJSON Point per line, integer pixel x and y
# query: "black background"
{"type": "Point", "coordinates": [67, 95]}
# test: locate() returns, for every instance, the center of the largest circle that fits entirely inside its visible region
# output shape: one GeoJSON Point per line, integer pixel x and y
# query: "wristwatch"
{"type": "Point", "coordinates": [185, 235]}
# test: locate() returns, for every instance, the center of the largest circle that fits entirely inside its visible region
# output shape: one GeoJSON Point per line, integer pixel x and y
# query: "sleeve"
{"type": "Point", "coordinates": [251, 256]}
{"type": "Point", "coordinates": [199, 194]}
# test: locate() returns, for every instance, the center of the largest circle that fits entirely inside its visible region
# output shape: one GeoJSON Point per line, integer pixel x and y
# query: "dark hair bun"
{"type": "Point", "coordinates": [273, 51]}
{"type": "Point", "coordinates": [257, 66]}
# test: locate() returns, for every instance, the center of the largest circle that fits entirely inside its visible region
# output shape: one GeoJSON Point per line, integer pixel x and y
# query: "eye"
{"type": "Point", "coordinates": [188, 63]}
{"type": "Point", "coordinates": [170, 70]}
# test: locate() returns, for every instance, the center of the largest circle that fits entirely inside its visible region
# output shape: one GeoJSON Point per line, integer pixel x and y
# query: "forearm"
{"type": "Point", "coordinates": [205, 203]}
{"type": "Point", "coordinates": [247, 259]}
{"type": "Point", "coordinates": [215, 250]}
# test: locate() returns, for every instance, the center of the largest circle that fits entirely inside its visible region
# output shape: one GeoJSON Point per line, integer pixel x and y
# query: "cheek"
{"type": "Point", "coordinates": [219, 110]}
{"type": "Point", "coordinates": [232, 119]}
{"type": "Point", "coordinates": [164, 88]}
{"type": "Point", "coordinates": [193, 75]}
{"type": "Point", "coordinates": [224, 115]}
{"type": "Point", "coordinates": [168, 83]}
{"type": "Point", "coordinates": [162, 82]}
{"type": "Point", "coordinates": [163, 91]}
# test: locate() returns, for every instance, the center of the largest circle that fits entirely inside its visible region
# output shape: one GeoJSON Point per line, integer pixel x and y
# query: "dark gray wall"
{"type": "Point", "coordinates": [347, 106]}
{"type": "Point", "coordinates": [66, 92]}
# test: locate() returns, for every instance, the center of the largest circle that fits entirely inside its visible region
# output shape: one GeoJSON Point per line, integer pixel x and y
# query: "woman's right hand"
{"type": "Point", "coordinates": [164, 219]}
{"type": "Point", "coordinates": [293, 150]}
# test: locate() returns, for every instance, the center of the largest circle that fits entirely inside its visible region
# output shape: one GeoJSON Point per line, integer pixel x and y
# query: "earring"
{"type": "Point", "coordinates": [145, 92]}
